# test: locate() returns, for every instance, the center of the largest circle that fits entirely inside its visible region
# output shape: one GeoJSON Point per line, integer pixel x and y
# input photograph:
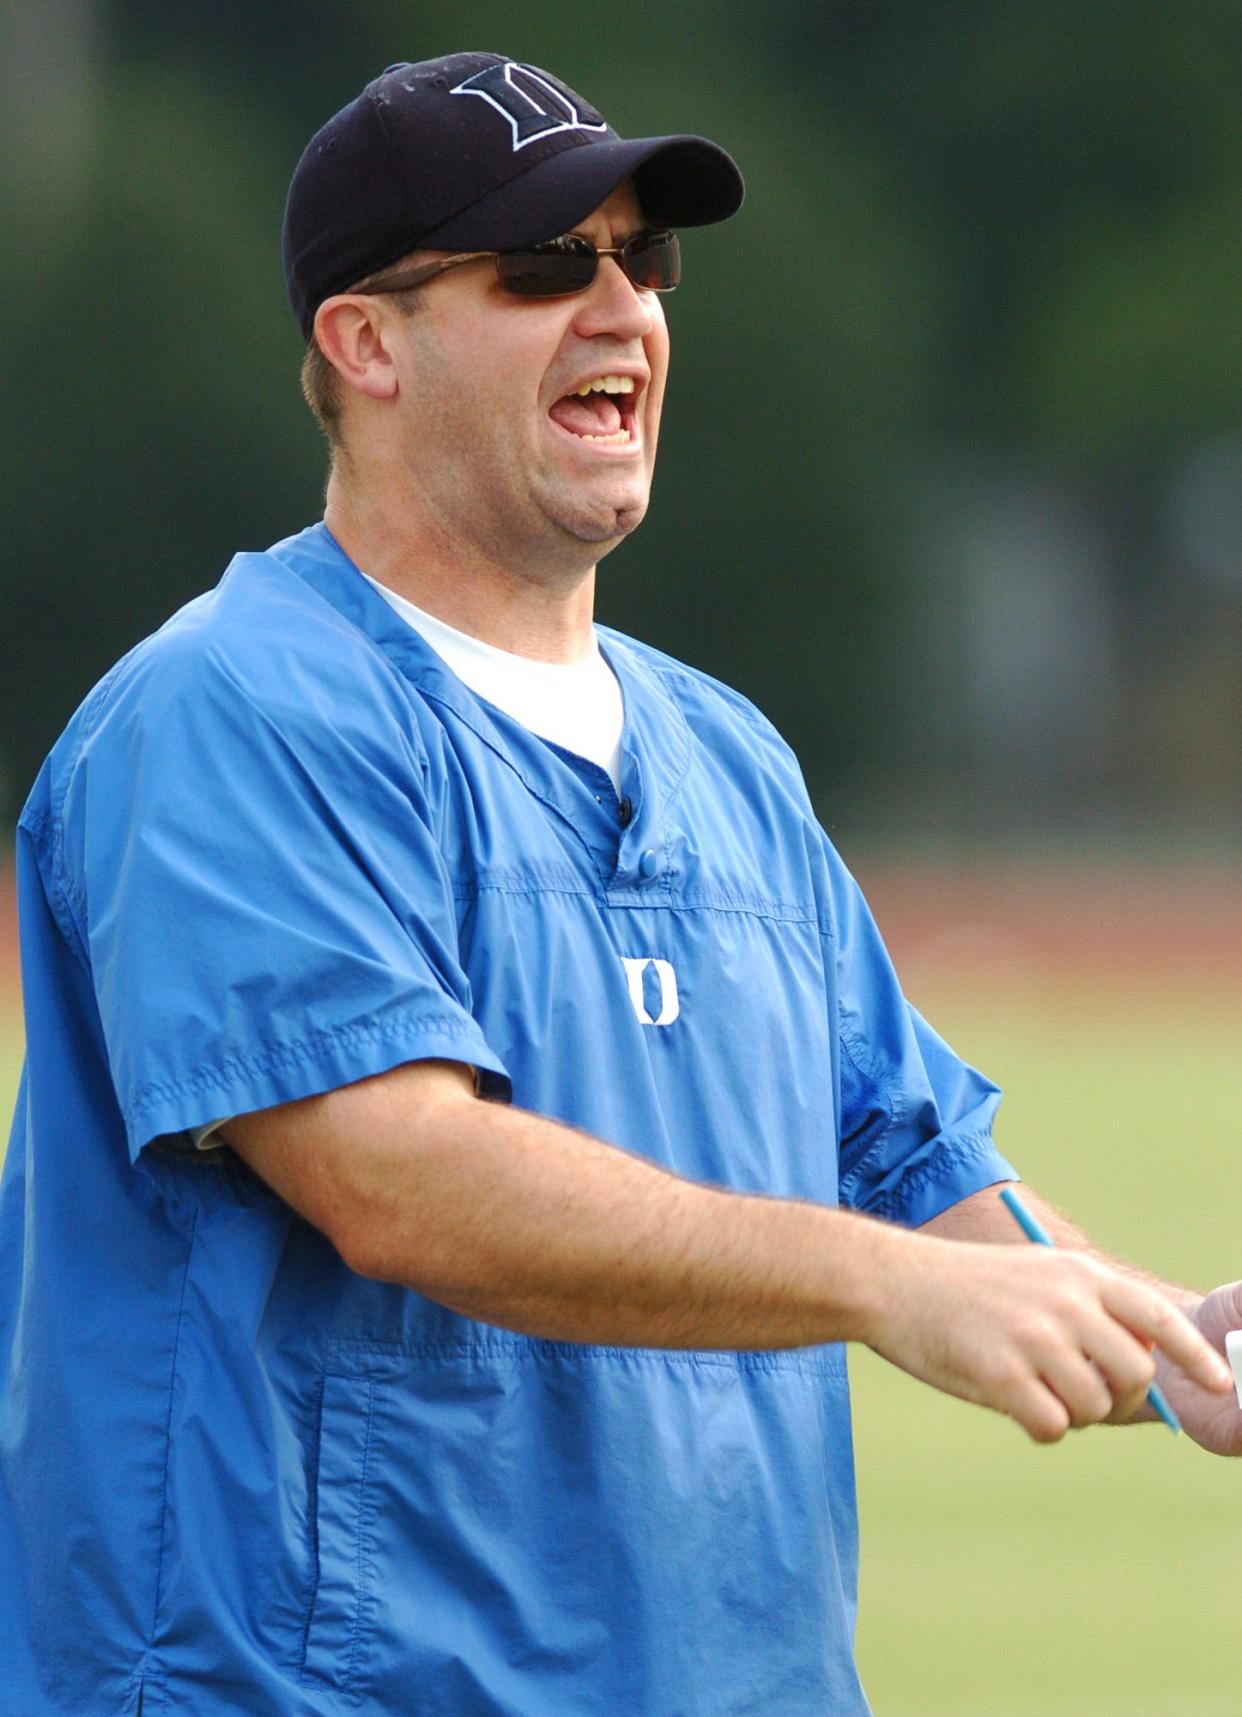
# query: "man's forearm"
{"type": "Point", "coordinates": [517, 1220]}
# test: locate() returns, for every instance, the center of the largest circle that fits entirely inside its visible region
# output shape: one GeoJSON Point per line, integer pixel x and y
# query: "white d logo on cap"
{"type": "Point", "coordinates": [526, 117]}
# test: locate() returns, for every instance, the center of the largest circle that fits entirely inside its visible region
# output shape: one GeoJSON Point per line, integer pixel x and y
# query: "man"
{"type": "Point", "coordinates": [463, 1083]}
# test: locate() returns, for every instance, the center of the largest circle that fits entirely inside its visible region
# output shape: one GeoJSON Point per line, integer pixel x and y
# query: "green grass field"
{"type": "Point", "coordinates": [1099, 1577]}
{"type": "Point", "coordinates": [10, 1058]}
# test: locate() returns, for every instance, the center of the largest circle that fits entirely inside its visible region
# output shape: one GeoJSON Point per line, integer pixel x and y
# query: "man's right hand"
{"type": "Point", "coordinates": [1055, 1339]}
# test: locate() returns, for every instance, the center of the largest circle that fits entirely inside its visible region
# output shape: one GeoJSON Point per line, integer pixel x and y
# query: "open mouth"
{"type": "Point", "coordinates": [602, 411]}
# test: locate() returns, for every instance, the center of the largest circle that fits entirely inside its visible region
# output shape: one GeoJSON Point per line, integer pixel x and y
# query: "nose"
{"type": "Point", "coordinates": [612, 304]}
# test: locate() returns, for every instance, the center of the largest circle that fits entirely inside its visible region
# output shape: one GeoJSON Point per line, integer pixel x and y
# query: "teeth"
{"type": "Point", "coordinates": [609, 440]}
{"type": "Point", "coordinates": [607, 384]}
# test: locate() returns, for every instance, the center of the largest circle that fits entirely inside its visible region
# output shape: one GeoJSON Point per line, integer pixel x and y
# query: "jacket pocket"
{"type": "Point", "coordinates": [341, 1539]}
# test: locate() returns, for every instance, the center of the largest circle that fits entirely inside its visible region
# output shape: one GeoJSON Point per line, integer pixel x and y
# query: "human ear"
{"type": "Point", "coordinates": [351, 332]}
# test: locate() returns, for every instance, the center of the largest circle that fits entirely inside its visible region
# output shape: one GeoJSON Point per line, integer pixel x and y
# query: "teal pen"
{"type": "Point", "coordinates": [1033, 1231]}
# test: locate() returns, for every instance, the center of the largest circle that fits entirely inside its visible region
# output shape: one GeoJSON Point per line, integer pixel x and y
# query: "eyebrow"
{"type": "Point", "coordinates": [577, 232]}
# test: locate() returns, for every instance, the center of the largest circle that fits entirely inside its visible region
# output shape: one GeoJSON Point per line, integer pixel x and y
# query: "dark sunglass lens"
{"type": "Point", "coordinates": [549, 270]}
{"type": "Point", "coordinates": [653, 261]}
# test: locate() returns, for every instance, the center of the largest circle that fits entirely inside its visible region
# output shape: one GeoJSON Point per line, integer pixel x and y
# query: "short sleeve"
{"type": "Point", "coordinates": [265, 910]}
{"type": "Point", "coordinates": [916, 1120]}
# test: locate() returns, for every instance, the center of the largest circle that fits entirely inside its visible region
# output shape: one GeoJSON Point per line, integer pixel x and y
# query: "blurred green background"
{"type": "Point", "coordinates": [1099, 1576]}
{"type": "Point", "coordinates": [951, 484]}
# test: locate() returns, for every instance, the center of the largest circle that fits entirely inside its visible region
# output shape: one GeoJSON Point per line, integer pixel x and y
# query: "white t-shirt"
{"type": "Point", "coordinates": [576, 705]}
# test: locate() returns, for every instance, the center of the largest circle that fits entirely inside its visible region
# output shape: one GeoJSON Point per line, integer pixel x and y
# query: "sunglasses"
{"type": "Point", "coordinates": [650, 260]}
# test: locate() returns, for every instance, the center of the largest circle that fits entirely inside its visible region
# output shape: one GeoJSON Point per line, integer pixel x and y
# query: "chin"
{"type": "Point", "coordinates": [605, 522]}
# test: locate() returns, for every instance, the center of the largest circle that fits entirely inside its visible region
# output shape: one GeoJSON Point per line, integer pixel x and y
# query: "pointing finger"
{"type": "Point", "coordinates": [1150, 1315]}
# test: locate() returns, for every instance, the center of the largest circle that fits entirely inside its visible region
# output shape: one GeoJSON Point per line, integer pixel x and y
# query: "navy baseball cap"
{"type": "Point", "coordinates": [475, 152]}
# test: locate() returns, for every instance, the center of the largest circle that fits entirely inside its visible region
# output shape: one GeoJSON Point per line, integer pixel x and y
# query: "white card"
{"type": "Point", "coordinates": [1233, 1347]}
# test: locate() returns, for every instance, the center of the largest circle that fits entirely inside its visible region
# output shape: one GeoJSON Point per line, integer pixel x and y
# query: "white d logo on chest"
{"type": "Point", "coordinates": [660, 990]}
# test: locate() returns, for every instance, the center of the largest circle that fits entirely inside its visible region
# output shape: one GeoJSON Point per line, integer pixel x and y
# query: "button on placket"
{"type": "Point", "coordinates": [649, 864]}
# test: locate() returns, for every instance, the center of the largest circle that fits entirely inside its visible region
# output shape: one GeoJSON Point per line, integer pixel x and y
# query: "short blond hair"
{"type": "Point", "coordinates": [321, 389]}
